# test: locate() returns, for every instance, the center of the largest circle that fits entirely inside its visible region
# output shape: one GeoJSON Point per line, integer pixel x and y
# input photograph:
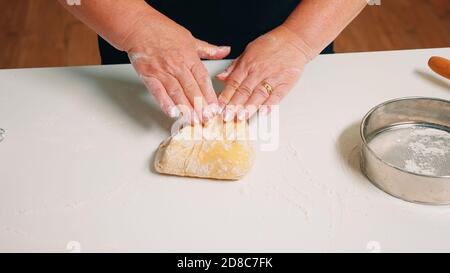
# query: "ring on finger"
{"type": "Point", "coordinates": [268, 88]}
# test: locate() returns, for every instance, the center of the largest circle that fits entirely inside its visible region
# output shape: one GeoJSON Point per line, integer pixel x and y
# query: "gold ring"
{"type": "Point", "coordinates": [268, 88]}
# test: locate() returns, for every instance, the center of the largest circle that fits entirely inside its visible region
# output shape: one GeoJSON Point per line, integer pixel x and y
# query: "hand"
{"type": "Point", "coordinates": [277, 59]}
{"type": "Point", "coordinates": [167, 57]}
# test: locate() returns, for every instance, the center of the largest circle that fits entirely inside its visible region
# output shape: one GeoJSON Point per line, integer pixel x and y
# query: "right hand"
{"type": "Point", "coordinates": [167, 57]}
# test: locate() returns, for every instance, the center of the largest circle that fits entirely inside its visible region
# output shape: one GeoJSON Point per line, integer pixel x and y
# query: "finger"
{"type": "Point", "coordinates": [275, 98]}
{"type": "Point", "coordinates": [233, 82]}
{"type": "Point", "coordinates": [191, 90]}
{"type": "Point", "coordinates": [155, 85]}
{"type": "Point", "coordinates": [203, 79]}
{"type": "Point", "coordinates": [156, 88]}
{"type": "Point", "coordinates": [259, 95]}
{"type": "Point", "coordinates": [211, 52]}
{"type": "Point", "coordinates": [224, 75]}
{"type": "Point", "coordinates": [245, 90]}
{"type": "Point", "coordinates": [242, 94]}
{"type": "Point", "coordinates": [175, 92]}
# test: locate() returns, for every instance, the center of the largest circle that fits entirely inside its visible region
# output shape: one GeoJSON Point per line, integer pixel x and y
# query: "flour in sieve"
{"type": "Point", "coordinates": [418, 149]}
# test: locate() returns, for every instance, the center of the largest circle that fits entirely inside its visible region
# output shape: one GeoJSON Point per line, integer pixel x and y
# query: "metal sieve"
{"type": "Point", "coordinates": [406, 149]}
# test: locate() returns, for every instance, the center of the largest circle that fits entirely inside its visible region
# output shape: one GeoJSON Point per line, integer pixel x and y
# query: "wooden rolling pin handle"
{"type": "Point", "coordinates": [440, 65]}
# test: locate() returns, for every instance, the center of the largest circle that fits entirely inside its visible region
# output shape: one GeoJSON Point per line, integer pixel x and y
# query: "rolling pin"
{"type": "Point", "coordinates": [440, 65]}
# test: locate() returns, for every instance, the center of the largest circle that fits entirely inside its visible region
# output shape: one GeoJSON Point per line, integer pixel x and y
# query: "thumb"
{"type": "Point", "coordinates": [211, 52]}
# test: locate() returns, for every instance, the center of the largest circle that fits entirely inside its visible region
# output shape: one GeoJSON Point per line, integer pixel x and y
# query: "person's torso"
{"type": "Point", "coordinates": [221, 22]}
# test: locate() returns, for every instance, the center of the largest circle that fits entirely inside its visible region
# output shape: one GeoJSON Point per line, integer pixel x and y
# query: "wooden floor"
{"type": "Point", "coordinates": [37, 33]}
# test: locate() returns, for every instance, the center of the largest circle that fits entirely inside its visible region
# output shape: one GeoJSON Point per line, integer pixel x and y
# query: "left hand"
{"type": "Point", "coordinates": [266, 71]}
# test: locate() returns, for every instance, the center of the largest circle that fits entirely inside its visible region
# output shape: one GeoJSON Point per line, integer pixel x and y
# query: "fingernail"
{"type": "Point", "coordinates": [214, 108]}
{"type": "Point", "coordinates": [174, 112]}
{"type": "Point", "coordinates": [242, 114]}
{"type": "Point", "coordinates": [210, 111]}
{"type": "Point", "coordinates": [207, 113]}
{"type": "Point", "coordinates": [221, 107]}
{"type": "Point", "coordinates": [195, 118]}
{"type": "Point", "coordinates": [228, 115]}
{"type": "Point", "coordinates": [264, 110]}
{"type": "Point", "coordinates": [222, 74]}
{"type": "Point", "coordinates": [223, 48]}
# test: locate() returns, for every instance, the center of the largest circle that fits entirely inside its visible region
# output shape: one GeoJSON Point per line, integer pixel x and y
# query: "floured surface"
{"type": "Point", "coordinates": [75, 167]}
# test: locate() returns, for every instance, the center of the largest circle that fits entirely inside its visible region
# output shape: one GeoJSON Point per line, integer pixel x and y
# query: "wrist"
{"type": "Point", "coordinates": [129, 26]}
{"type": "Point", "coordinates": [299, 42]}
{"type": "Point", "coordinates": [150, 24]}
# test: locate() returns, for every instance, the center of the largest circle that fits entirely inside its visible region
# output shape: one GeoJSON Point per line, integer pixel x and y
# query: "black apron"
{"type": "Point", "coordinates": [221, 22]}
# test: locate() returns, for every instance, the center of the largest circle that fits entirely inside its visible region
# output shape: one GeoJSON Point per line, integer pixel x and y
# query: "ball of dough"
{"type": "Point", "coordinates": [218, 150]}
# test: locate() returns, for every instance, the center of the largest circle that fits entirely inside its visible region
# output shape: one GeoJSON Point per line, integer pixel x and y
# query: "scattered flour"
{"type": "Point", "coordinates": [421, 150]}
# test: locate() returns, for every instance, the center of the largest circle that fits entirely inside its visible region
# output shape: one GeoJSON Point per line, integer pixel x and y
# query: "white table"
{"type": "Point", "coordinates": [75, 167]}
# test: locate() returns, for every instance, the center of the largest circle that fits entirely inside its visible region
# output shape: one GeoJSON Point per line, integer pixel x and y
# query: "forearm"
{"type": "Point", "coordinates": [114, 20]}
{"type": "Point", "coordinates": [318, 22]}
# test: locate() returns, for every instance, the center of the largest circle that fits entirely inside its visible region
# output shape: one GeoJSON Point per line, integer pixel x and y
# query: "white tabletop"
{"type": "Point", "coordinates": [75, 167]}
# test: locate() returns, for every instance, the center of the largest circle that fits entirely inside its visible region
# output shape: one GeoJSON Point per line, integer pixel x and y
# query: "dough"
{"type": "Point", "coordinates": [218, 150]}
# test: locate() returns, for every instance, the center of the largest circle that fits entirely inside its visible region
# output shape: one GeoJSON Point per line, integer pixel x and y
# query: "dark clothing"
{"type": "Point", "coordinates": [220, 22]}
